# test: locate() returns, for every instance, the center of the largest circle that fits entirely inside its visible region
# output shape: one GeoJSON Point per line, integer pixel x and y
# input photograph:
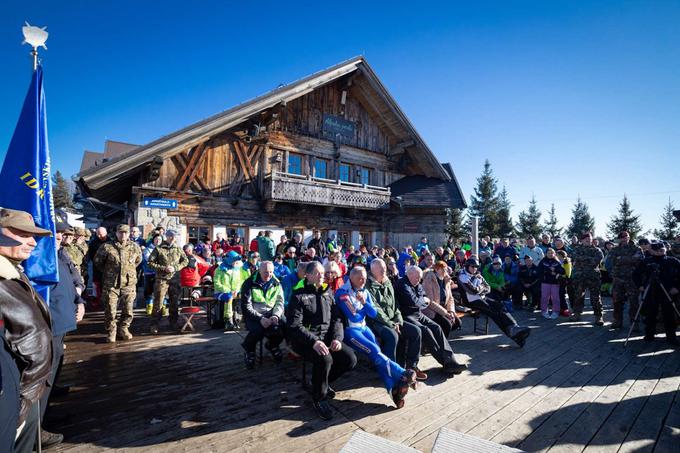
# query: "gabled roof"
{"type": "Point", "coordinates": [423, 192]}
{"type": "Point", "coordinates": [112, 149]}
{"type": "Point", "coordinates": [139, 158]}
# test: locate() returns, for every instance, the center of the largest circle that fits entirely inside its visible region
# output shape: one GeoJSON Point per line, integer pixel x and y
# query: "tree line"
{"type": "Point", "coordinates": [492, 208]}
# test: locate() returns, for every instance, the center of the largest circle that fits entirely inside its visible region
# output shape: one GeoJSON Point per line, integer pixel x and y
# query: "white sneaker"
{"type": "Point", "coordinates": [554, 315]}
{"type": "Point", "coordinates": [546, 315]}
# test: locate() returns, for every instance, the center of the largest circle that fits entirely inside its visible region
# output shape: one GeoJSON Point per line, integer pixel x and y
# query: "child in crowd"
{"type": "Point", "coordinates": [565, 261]}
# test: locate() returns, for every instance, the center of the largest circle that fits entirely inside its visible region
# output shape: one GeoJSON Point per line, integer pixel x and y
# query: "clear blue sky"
{"type": "Point", "coordinates": [564, 98]}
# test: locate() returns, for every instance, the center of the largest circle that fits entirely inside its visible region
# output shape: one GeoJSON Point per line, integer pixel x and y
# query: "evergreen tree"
{"type": "Point", "coordinates": [504, 227]}
{"type": "Point", "coordinates": [625, 220]}
{"type": "Point", "coordinates": [484, 202]}
{"type": "Point", "coordinates": [454, 224]}
{"type": "Point", "coordinates": [669, 224]}
{"type": "Point", "coordinates": [551, 224]}
{"type": "Point", "coordinates": [529, 221]}
{"type": "Point", "coordinates": [61, 191]}
{"type": "Point", "coordinates": [581, 220]}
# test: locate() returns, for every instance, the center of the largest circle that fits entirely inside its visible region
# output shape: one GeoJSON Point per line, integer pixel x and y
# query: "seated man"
{"type": "Point", "coordinates": [397, 337]}
{"type": "Point", "coordinates": [262, 306]}
{"type": "Point", "coordinates": [411, 297]}
{"type": "Point", "coordinates": [315, 331]}
{"type": "Point", "coordinates": [529, 284]}
{"type": "Point", "coordinates": [476, 288]}
{"type": "Point", "coordinates": [356, 304]}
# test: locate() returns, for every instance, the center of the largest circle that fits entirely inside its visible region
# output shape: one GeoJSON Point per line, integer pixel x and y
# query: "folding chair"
{"type": "Point", "coordinates": [188, 312]}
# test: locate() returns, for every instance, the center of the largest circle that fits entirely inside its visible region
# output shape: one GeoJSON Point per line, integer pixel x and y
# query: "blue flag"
{"type": "Point", "coordinates": [27, 184]}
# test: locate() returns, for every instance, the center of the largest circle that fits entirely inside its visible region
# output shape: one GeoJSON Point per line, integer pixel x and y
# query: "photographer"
{"type": "Point", "coordinates": [658, 278]}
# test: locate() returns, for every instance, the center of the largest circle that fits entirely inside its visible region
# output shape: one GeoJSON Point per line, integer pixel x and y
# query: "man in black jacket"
{"type": "Point", "coordinates": [26, 320]}
{"type": "Point", "coordinates": [529, 284]}
{"type": "Point", "coordinates": [412, 301]}
{"type": "Point", "coordinates": [316, 332]}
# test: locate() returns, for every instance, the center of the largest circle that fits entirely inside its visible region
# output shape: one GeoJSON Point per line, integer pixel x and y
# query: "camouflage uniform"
{"type": "Point", "coordinates": [76, 254]}
{"type": "Point", "coordinates": [585, 275]}
{"type": "Point", "coordinates": [623, 260]}
{"type": "Point", "coordinates": [118, 263]}
{"type": "Point", "coordinates": [166, 283]}
{"type": "Point", "coordinates": [83, 249]}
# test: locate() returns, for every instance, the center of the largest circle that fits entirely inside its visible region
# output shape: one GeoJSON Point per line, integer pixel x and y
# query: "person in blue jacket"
{"type": "Point", "coordinates": [356, 304]}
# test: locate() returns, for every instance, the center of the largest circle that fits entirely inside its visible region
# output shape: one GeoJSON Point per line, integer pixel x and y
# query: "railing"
{"type": "Point", "coordinates": [287, 187]}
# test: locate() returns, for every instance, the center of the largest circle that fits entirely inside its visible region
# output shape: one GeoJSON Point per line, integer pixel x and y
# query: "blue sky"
{"type": "Point", "coordinates": [564, 98]}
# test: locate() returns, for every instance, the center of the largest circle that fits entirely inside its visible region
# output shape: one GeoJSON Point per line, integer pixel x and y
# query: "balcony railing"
{"type": "Point", "coordinates": [287, 187]}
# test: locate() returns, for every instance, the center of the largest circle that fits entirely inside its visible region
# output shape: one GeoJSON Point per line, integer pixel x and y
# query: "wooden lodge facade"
{"type": "Point", "coordinates": [332, 151]}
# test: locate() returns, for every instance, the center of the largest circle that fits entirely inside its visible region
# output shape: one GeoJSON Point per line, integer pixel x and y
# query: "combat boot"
{"type": "Point", "coordinates": [154, 329]}
{"type": "Point", "coordinates": [111, 336]}
{"type": "Point", "coordinates": [124, 334]}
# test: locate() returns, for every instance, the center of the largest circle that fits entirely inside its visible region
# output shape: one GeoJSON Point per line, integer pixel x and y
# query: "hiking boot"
{"type": "Point", "coordinates": [323, 408]}
{"type": "Point", "coordinates": [229, 326]}
{"type": "Point", "coordinates": [399, 392]}
{"type": "Point", "coordinates": [111, 336]}
{"type": "Point", "coordinates": [275, 352]}
{"type": "Point", "coordinates": [420, 375]}
{"type": "Point", "coordinates": [249, 359]}
{"type": "Point", "coordinates": [519, 335]}
{"type": "Point", "coordinates": [454, 368]}
{"type": "Point", "coordinates": [576, 317]}
{"type": "Point", "coordinates": [616, 325]}
{"type": "Point", "coordinates": [124, 334]}
{"type": "Point", "coordinates": [48, 439]}
{"type": "Point", "coordinates": [154, 329]}
{"type": "Point", "coordinates": [599, 321]}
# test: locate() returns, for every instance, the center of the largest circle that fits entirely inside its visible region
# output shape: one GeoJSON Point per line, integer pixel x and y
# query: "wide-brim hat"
{"type": "Point", "coordinates": [22, 221]}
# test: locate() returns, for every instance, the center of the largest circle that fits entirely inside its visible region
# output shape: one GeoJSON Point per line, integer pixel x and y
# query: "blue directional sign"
{"type": "Point", "coordinates": [162, 203]}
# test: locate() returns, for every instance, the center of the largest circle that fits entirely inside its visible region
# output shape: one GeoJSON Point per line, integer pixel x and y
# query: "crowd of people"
{"type": "Point", "coordinates": [327, 303]}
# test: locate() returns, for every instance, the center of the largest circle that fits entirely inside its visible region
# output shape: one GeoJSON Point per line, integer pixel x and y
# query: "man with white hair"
{"type": "Point", "coordinates": [399, 339]}
{"type": "Point", "coordinates": [356, 304]}
{"type": "Point", "coordinates": [262, 307]}
{"type": "Point", "coordinates": [411, 297]}
{"type": "Point", "coordinates": [315, 331]}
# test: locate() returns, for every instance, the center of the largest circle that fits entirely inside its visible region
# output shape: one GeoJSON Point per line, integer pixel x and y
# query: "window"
{"type": "Point", "coordinates": [197, 233]}
{"type": "Point", "coordinates": [344, 173]}
{"type": "Point", "coordinates": [365, 176]}
{"type": "Point", "coordinates": [295, 164]}
{"type": "Point", "coordinates": [320, 168]}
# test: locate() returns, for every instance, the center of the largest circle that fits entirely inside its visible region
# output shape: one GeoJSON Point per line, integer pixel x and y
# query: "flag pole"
{"type": "Point", "coordinates": [35, 37]}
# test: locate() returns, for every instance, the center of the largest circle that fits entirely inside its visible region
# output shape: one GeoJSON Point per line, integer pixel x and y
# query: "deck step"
{"type": "Point", "coordinates": [363, 442]}
{"type": "Point", "coordinates": [449, 441]}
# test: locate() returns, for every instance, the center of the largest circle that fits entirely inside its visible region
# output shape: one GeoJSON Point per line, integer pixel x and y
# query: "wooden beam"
{"type": "Point", "coordinates": [180, 162]}
{"type": "Point", "coordinates": [364, 96]}
{"type": "Point", "coordinates": [192, 167]}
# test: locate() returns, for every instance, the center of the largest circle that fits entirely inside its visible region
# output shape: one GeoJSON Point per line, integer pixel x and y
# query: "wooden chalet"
{"type": "Point", "coordinates": [332, 151]}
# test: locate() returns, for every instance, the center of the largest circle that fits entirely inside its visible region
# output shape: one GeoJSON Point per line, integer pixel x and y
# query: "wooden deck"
{"type": "Point", "coordinates": [572, 388]}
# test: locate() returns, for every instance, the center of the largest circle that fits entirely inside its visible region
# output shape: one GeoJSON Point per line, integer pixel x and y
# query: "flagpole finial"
{"type": "Point", "coordinates": [35, 37]}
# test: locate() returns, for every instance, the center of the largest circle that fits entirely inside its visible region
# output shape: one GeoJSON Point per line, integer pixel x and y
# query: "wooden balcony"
{"type": "Point", "coordinates": [290, 188]}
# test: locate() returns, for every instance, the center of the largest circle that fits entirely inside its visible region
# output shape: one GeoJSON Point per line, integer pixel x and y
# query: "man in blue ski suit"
{"type": "Point", "coordinates": [355, 304]}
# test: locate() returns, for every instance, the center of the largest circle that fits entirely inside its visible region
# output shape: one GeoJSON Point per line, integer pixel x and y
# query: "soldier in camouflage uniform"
{"type": "Point", "coordinates": [166, 260]}
{"type": "Point", "coordinates": [585, 275]}
{"type": "Point", "coordinates": [118, 260]}
{"type": "Point", "coordinates": [623, 260]}
{"type": "Point", "coordinates": [69, 245]}
{"type": "Point", "coordinates": [82, 238]}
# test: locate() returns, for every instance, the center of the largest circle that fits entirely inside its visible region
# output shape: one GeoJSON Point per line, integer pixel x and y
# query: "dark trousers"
{"type": "Point", "coordinates": [563, 297]}
{"type": "Point", "coordinates": [256, 332]}
{"type": "Point", "coordinates": [9, 399]}
{"type": "Point", "coordinates": [57, 356]}
{"type": "Point", "coordinates": [532, 293]}
{"type": "Point", "coordinates": [444, 323]}
{"type": "Point", "coordinates": [496, 311]}
{"type": "Point", "coordinates": [403, 349]}
{"type": "Point", "coordinates": [651, 309]}
{"type": "Point", "coordinates": [433, 336]}
{"type": "Point", "coordinates": [26, 440]}
{"type": "Point", "coordinates": [326, 368]}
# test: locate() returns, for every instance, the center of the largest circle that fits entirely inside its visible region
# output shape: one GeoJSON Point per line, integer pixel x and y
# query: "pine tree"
{"type": "Point", "coordinates": [61, 192]}
{"type": "Point", "coordinates": [581, 220]}
{"type": "Point", "coordinates": [454, 224]}
{"type": "Point", "coordinates": [484, 202]}
{"type": "Point", "coordinates": [669, 224]}
{"type": "Point", "coordinates": [504, 227]}
{"type": "Point", "coordinates": [551, 224]}
{"type": "Point", "coordinates": [625, 220]}
{"type": "Point", "coordinates": [529, 221]}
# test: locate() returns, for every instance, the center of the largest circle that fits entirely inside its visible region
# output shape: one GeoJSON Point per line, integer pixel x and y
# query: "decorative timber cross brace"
{"type": "Point", "coordinates": [245, 156]}
{"type": "Point", "coordinates": [188, 164]}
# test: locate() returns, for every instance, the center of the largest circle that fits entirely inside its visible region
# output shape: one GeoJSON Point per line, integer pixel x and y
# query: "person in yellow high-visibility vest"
{"type": "Point", "coordinates": [228, 279]}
